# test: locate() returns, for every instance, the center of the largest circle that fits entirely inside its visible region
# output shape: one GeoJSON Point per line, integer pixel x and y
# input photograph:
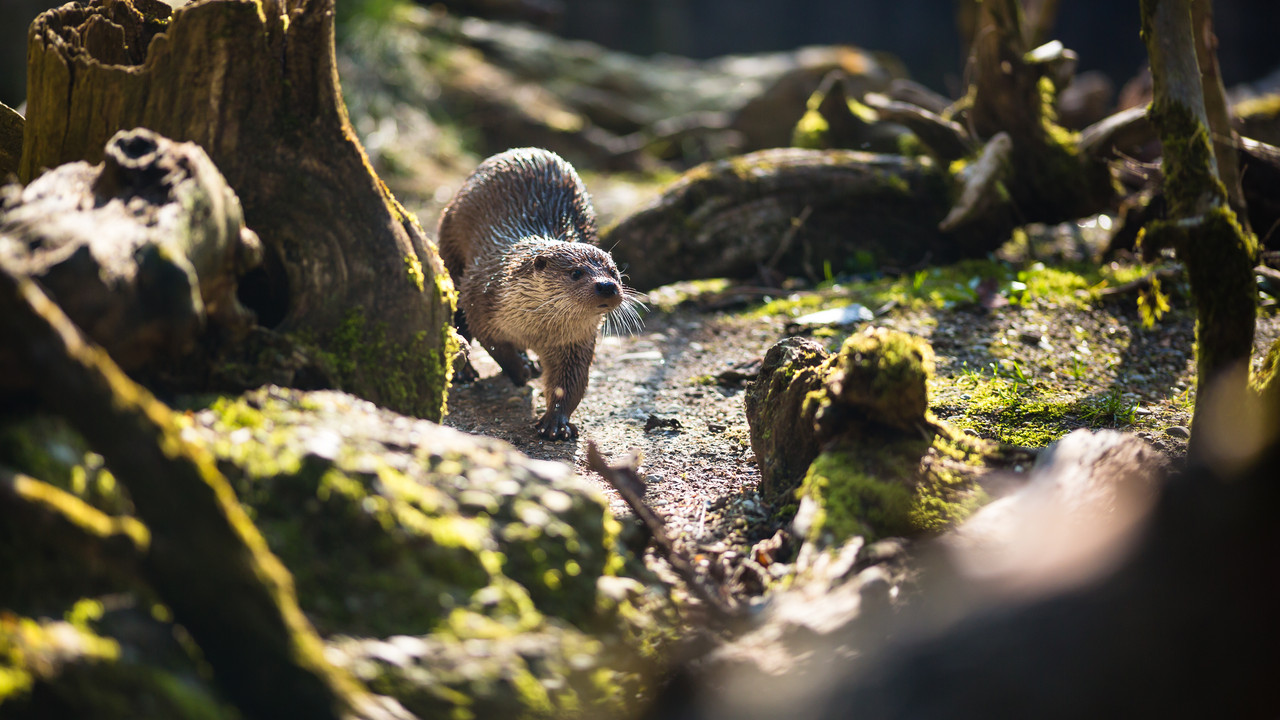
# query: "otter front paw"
{"type": "Point", "coordinates": [556, 426]}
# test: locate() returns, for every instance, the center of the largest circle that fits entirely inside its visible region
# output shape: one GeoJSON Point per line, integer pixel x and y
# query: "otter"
{"type": "Point", "coordinates": [519, 240]}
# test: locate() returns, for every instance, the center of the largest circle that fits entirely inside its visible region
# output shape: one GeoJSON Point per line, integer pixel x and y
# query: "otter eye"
{"type": "Point", "coordinates": [576, 273]}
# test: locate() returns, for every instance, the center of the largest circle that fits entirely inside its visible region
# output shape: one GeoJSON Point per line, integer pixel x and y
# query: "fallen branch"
{"type": "Point", "coordinates": [627, 482]}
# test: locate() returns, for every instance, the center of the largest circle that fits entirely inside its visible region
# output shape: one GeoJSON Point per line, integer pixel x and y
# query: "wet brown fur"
{"type": "Point", "coordinates": [519, 241]}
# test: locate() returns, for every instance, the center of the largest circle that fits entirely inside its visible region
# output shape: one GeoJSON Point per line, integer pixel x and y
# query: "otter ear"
{"type": "Point", "coordinates": [540, 262]}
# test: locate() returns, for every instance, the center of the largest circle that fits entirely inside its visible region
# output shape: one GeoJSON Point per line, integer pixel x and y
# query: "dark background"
{"type": "Point", "coordinates": [922, 33]}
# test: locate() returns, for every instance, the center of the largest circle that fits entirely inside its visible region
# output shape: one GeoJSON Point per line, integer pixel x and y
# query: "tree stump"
{"type": "Point", "coordinates": [10, 141]}
{"type": "Point", "coordinates": [255, 84]}
{"type": "Point", "coordinates": [1014, 91]}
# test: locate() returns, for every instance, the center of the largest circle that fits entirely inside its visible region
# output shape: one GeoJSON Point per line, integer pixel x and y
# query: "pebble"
{"type": "Point", "coordinates": [1178, 431]}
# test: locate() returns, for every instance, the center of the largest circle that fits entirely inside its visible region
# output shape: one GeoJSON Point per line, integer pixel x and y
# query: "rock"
{"type": "Point", "coordinates": [847, 315]}
{"type": "Point", "coordinates": [1178, 431]}
{"type": "Point", "coordinates": [1084, 496]}
{"type": "Point", "coordinates": [446, 570]}
{"type": "Point", "coordinates": [853, 431]}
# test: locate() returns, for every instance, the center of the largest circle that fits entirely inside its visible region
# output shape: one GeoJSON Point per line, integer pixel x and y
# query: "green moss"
{"type": "Point", "coordinates": [796, 304]}
{"type": "Point", "coordinates": [48, 449]}
{"type": "Point", "coordinates": [669, 297]}
{"type": "Point", "coordinates": [414, 267]}
{"type": "Point", "coordinates": [410, 377]}
{"type": "Point", "coordinates": [383, 543]}
{"type": "Point", "coordinates": [852, 501]}
{"type": "Point", "coordinates": [1014, 413]}
{"type": "Point", "coordinates": [1266, 106]}
{"type": "Point", "coordinates": [66, 669]}
{"type": "Point", "coordinates": [811, 131]}
{"type": "Point", "coordinates": [881, 485]}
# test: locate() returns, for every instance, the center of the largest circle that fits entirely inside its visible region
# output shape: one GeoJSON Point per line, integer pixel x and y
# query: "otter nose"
{"type": "Point", "coordinates": [606, 288]}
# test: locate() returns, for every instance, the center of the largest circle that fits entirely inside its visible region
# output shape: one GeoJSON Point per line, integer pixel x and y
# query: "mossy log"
{"type": "Point", "coordinates": [206, 560]}
{"type": "Point", "coordinates": [255, 84]}
{"type": "Point", "coordinates": [1014, 91]}
{"type": "Point", "coordinates": [142, 251]}
{"type": "Point", "coordinates": [852, 434]}
{"type": "Point", "coordinates": [1200, 224]}
{"type": "Point", "coordinates": [797, 211]}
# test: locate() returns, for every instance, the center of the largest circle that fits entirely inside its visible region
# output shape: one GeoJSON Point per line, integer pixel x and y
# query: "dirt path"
{"type": "Point", "coordinates": [660, 372]}
{"type": "Point", "coordinates": [1066, 360]}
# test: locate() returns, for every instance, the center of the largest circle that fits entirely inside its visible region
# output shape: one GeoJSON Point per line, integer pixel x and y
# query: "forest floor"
{"type": "Point", "coordinates": [1026, 352]}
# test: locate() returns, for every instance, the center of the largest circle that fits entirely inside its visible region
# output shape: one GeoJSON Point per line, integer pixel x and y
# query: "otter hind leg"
{"type": "Point", "coordinates": [515, 363]}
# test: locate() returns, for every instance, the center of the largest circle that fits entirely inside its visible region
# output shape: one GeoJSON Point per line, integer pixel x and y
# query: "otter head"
{"type": "Point", "coordinates": [569, 287]}
{"type": "Point", "coordinates": [589, 277]}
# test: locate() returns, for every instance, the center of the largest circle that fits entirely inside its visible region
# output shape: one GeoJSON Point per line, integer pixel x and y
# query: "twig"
{"type": "Point", "coordinates": [789, 236]}
{"type": "Point", "coordinates": [627, 482]}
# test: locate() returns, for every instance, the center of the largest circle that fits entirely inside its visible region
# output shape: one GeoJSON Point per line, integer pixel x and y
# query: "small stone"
{"type": "Point", "coordinates": [1178, 431]}
{"type": "Point", "coordinates": [1142, 410]}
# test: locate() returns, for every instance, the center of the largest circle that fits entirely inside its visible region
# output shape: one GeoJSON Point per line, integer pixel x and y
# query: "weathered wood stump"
{"type": "Point", "coordinates": [142, 251]}
{"type": "Point", "coordinates": [255, 85]}
{"type": "Point", "coordinates": [1014, 91]}
{"type": "Point", "coordinates": [11, 124]}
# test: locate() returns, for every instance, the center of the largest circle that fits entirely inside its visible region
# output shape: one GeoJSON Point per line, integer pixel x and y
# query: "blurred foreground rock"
{"type": "Point", "coordinates": [413, 547]}
{"type": "Point", "coordinates": [1175, 617]}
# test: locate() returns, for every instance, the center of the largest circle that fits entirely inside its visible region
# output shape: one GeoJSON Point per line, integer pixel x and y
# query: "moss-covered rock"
{"type": "Point", "coordinates": [53, 669]}
{"type": "Point", "coordinates": [388, 523]}
{"type": "Point", "coordinates": [505, 569]}
{"type": "Point", "coordinates": [854, 429]}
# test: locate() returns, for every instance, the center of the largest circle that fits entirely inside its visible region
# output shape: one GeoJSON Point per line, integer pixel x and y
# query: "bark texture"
{"type": "Point", "coordinates": [10, 141]}
{"type": "Point", "coordinates": [255, 84]}
{"type": "Point", "coordinates": [1201, 225]}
